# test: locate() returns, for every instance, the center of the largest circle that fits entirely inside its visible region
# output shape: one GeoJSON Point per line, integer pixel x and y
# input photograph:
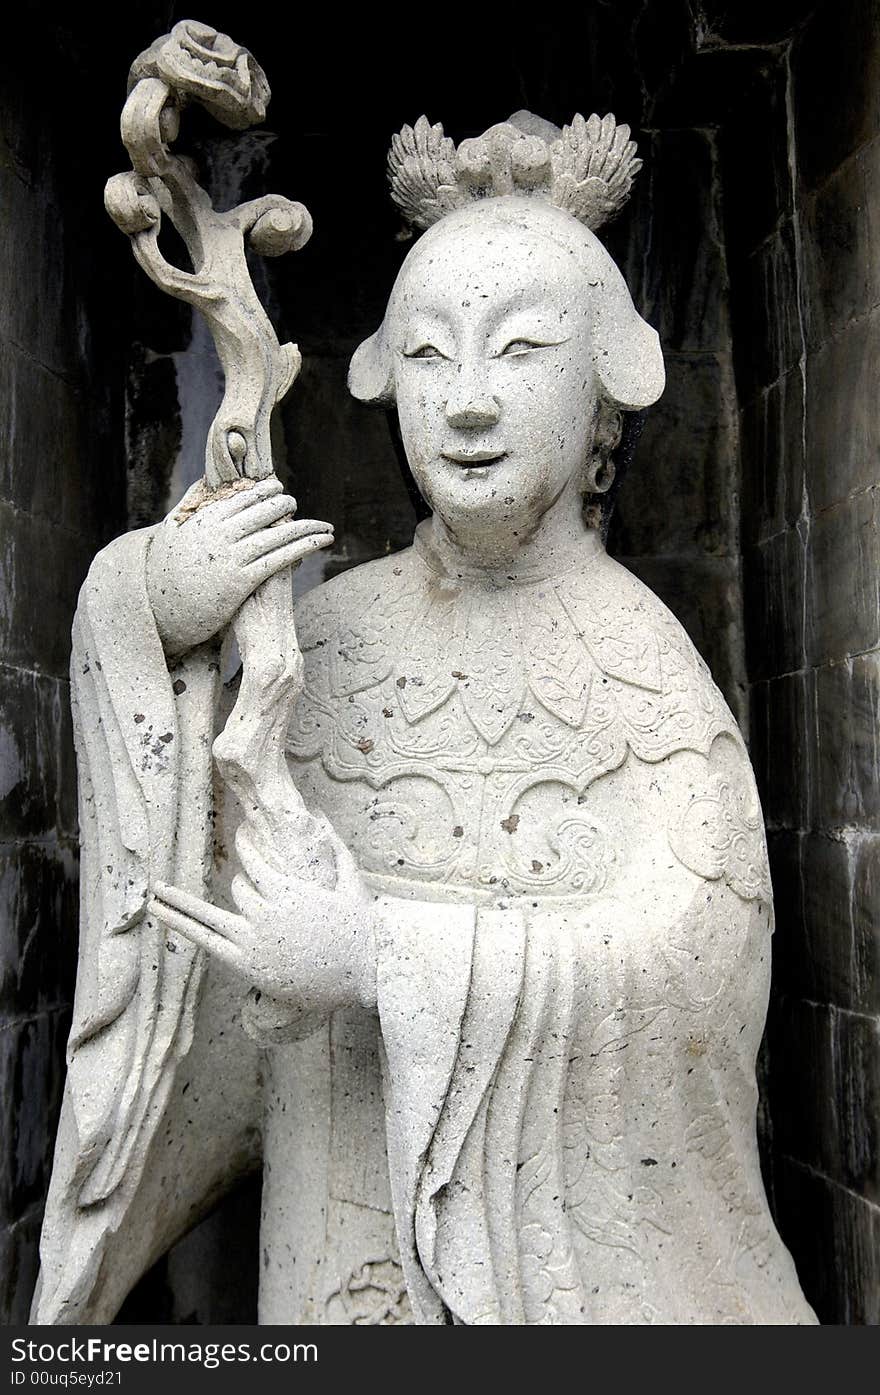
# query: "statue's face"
{"type": "Point", "coordinates": [493, 374]}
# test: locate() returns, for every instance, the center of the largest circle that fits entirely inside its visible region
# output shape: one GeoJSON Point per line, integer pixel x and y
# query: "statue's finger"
{"type": "Point", "coordinates": [248, 498]}
{"type": "Point", "coordinates": [248, 897]}
{"type": "Point", "coordinates": [255, 864]}
{"type": "Point", "coordinates": [286, 556]}
{"type": "Point", "coordinates": [197, 933]}
{"type": "Point", "coordinates": [271, 539]}
{"type": "Point", "coordinates": [261, 515]}
{"type": "Point", "coordinates": [225, 923]}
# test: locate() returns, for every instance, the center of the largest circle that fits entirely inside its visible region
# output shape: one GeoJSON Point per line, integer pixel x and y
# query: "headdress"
{"type": "Point", "coordinates": [586, 168]}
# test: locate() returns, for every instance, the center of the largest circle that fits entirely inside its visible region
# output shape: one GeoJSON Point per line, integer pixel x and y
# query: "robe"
{"type": "Point", "coordinates": [548, 1116]}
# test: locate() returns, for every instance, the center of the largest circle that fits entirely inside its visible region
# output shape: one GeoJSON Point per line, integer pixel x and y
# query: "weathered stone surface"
{"type": "Point", "coordinates": [19, 1265]}
{"type": "Point", "coordinates": [165, 325]}
{"type": "Point", "coordinates": [44, 435]}
{"type": "Point", "coordinates": [870, 161]}
{"type": "Point", "coordinates": [41, 317]}
{"type": "Point", "coordinates": [323, 423]}
{"type": "Point", "coordinates": [753, 145]}
{"type": "Point", "coordinates": [847, 791]}
{"type": "Point", "coordinates": [857, 1100]}
{"type": "Point", "coordinates": [789, 755]}
{"type": "Point", "coordinates": [803, 1102]}
{"type": "Point", "coordinates": [152, 431]}
{"type": "Point", "coordinates": [772, 460]}
{"type": "Point", "coordinates": [661, 40]}
{"type": "Point", "coordinates": [683, 293]}
{"type": "Point", "coordinates": [791, 969]}
{"type": "Point", "coordinates": [838, 259]}
{"type": "Point", "coordinates": [829, 973]}
{"type": "Point", "coordinates": [843, 580]}
{"type": "Point", "coordinates": [824, 742]}
{"type": "Point", "coordinates": [866, 924]}
{"type": "Point", "coordinates": [836, 1243]}
{"type": "Point", "coordinates": [39, 910]}
{"type": "Point", "coordinates": [686, 452]}
{"type": "Point", "coordinates": [836, 54]}
{"type": "Point", "coordinates": [35, 755]}
{"type": "Point", "coordinates": [31, 1082]}
{"type": "Point", "coordinates": [767, 334]}
{"type": "Point", "coordinates": [773, 597]}
{"type": "Point", "coordinates": [759, 735]}
{"type": "Point", "coordinates": [750, 21]}
{"type": "Point", "coordinates": [42, 567]}
{"type": "Point", "coordinates": [843, 430]}
{"type": "Point", "coordinates": [66, 793]}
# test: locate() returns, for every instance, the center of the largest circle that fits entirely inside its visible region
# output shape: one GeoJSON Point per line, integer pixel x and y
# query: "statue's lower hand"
{"type": "Point", "coordinates": [202, 570]}
{"type": "Point", "coordinates": [296, 941]}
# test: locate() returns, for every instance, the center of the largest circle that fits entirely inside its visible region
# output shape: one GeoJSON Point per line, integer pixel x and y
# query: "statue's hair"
{"type": "Point", "coordinates": [627, 358]}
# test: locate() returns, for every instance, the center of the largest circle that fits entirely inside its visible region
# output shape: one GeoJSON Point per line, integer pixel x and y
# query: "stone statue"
{"type": "Point", "coordinates": [464, 927]}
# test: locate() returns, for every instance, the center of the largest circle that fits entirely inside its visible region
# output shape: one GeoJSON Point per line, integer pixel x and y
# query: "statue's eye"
{"type": "Point", "coordinates": [520, 346]}
{"type": "Point", "coordinates": [423, 351]}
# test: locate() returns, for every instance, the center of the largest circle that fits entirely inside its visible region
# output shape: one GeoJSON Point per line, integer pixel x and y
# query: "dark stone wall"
{"type": "Point", "coordinates": [804, 252]}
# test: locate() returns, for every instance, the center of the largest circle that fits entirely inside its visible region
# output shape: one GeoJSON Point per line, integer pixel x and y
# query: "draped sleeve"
{"type": "Point", "coordinates": [143, 745]}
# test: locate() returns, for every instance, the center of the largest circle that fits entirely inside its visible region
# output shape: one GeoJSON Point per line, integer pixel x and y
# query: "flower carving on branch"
{"type": "Point", "coordinates": [198, 62]}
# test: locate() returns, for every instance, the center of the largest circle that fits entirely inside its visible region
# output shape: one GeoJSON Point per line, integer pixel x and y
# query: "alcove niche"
{"type": "Point", "coordinates": [752, 243]}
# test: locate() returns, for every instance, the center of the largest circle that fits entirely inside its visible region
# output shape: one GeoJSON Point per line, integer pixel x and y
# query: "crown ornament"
{"type": "Point", "coordinates": [586, 168]}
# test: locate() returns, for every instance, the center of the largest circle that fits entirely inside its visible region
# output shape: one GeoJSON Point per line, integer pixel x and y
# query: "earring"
{"type": "Point", "coordinates": [599, 475]}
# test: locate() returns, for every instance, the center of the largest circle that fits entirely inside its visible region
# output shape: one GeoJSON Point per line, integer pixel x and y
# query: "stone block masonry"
{"type": "Point", "coordinates": [807, 282]}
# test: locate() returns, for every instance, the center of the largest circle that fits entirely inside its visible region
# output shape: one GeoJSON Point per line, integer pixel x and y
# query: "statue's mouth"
{"type": "Point", "coordinates": [471, 458]}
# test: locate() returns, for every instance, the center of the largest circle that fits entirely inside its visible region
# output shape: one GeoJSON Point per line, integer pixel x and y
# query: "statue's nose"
{"type": "Point", "coordinates": [477, 412]}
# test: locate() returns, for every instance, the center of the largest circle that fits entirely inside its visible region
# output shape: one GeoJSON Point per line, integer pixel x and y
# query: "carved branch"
{"type": "Point", "coordinates": [195, 63]}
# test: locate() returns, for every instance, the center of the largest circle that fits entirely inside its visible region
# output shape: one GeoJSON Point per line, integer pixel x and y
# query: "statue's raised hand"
{"type": "Point", "coordinates": [300, 943]}
{"type": "Point", "coordinates": [204, 563]}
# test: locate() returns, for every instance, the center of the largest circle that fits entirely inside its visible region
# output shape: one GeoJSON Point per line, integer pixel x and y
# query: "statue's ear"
{"type": "Point", "coordinates": [371, 374]}
{"type": "Point", "coordinates": [628, 357]}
